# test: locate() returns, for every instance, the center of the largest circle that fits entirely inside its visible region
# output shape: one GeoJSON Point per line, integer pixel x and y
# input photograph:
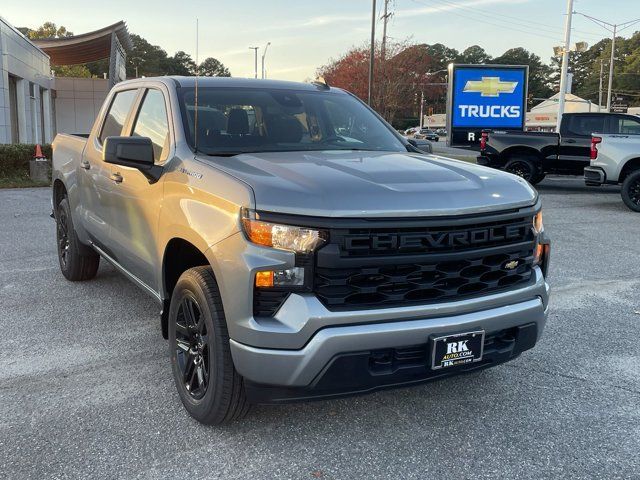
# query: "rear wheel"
{"type": "Point", "coordinates": [209, 386]}
{"type": "Point", "coordinates": [77, 261]}
{"type": "Point", "coordinates": [631, 191]}
{"type": "Point", "coordinates": [525, 167]}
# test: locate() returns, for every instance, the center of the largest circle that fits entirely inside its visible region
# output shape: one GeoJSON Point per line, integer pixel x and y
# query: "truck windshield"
{"type": "Point", "coordinates": [231, 121]}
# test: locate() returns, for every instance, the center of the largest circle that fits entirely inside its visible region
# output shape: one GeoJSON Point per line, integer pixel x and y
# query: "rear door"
{"type": "Point", "coordinates": [94, 175]}
{"type": "Point", "coordinates": [575, 140]}
{"type": "Point", "coordinates": [136, 201]}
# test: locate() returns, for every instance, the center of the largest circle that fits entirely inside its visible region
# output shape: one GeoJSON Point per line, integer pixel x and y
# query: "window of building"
{"type": "Point", "coordinates": [117, 115]}
{"type": "Point", "coordinates": [152, 122]}
{"type": "Point", "coordinates": [13, 109]}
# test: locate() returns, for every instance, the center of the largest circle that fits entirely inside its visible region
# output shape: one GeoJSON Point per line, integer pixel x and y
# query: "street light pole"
{"type": "Point", "coordinates": [372, 52]}
{"type": "Point", "coordinates": [613, 49]}
{"type": "Point", "coordinates": [255, 52]}
{"type": "Point", "coordinates": [565, 63]}
{"type": "Point", "coordinates": [264, 52]}
{"type": "Point", "coordinates": [421, 108]}
{"type": "Point", "coordinates": [600, 87]}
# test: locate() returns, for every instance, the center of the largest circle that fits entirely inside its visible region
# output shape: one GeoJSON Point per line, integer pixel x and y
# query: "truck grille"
{"type": "Point", "coordinates": [381, 267]}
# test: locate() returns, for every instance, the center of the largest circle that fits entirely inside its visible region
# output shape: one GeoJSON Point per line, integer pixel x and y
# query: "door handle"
{"type": "Point", "coordinates": [85, 164]}
{"type": "Point", "coordinates": [116, 177]}
{"type": "Point", "coordinates": [570, 140]}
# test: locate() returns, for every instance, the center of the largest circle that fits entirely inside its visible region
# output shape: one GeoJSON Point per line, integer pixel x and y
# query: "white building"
{"type": "Point", "coordinates": [25, 89]}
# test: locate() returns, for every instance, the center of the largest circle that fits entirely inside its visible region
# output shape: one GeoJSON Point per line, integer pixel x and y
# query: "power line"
{"type": "Point", "coordinates": [488, 22]}
{"type": "Point", "coordinates": [508, 22]}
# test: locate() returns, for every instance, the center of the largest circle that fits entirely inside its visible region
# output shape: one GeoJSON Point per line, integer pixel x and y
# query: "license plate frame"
{"type": "Point", "coordinates": [470, 344]}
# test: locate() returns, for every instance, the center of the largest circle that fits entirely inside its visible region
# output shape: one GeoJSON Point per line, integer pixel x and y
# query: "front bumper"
{"type": "Point", "coordinates": [306, 367]}
{"type": "Point", "coordinates": [594, 176]}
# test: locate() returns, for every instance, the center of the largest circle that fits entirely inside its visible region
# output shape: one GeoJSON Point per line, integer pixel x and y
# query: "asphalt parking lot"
{"type": "Point", "coordinates": [86, 389]}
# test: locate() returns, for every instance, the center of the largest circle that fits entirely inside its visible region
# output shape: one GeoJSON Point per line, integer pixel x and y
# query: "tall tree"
{"type": "Point", "coordinates": [212, 67]}
{"type": "Point", "coordinates": [180, 64]}
{"type": "Point", "coordinates": [474, 55]}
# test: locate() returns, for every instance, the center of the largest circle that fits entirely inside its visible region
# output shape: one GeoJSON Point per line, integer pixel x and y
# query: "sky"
{"type": "Point", "coordinates": [306, 34]}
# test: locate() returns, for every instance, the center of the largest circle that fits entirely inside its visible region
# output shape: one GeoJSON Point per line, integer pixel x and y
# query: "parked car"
{"type": "Point", "coordinates": [428, 134]}
{"type": "Point", "coordinates": [311, 254]}
{"type": "Point", "coordinates": [534, 154]}
{"type": "Point", "coordinates": [615, 159]}
{"type": "Point", "coordinates": [422, 144]}
{"type": "Point", "coordinates": [411, 131]}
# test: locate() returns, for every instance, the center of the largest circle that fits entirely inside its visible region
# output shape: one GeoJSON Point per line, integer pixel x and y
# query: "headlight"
{"type": "Point", "coordinates": [283, 237]}
{"type": "Point", "coordinates": [538, 226]}
{"type": "Point", "coordinates": [542, 248]}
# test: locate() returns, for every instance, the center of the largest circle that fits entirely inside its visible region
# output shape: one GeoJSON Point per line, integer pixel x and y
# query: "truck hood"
{"type": "Point", "coordinates": [373, 184]}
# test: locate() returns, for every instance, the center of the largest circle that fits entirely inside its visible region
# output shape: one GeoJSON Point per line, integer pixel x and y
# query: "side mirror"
{"type": "Point", "coordinates": [412, 142]}
{"type": "Point", "coordinates": [134, 152]}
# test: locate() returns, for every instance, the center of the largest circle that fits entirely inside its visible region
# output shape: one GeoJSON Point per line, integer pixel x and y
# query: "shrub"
{"type": "Point", "coordinates": [14, 159]}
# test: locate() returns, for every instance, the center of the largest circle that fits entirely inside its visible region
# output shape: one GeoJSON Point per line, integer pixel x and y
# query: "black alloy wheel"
{"type": "Point", "coordinates": [78, 262]}
{"type": "Point", "coordinates": [62, 236]}
{"type": "Point", "coordinates": [523, 167]}
{"type": "Point", "coordinates": [192, 348]}
{"type": "Point", "coordinates": [631, 191]}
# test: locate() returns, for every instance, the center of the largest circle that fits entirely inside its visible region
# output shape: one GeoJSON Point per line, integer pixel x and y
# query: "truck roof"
{"type": "Point", "coordinates": [204, 82]}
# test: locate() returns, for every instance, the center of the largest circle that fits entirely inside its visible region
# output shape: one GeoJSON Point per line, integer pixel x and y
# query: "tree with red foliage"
{"type": "Point", "coordinates": [398, 80]}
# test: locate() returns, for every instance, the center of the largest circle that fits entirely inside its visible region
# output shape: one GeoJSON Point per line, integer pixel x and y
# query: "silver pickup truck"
{"type": "Point", "coordinates": [297, 245]}
{"type": "Point", "coordinates": [615, 159]}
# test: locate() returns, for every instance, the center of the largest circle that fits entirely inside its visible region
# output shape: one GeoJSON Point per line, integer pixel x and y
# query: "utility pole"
{"type": "Point", "coordinates": [385, 18]}
{"type": "Point", "coordinates": [613, 50]}
{"type": "Point", "coordinates": [421, 107]}
{"type": "Point", "coordinates": [255, 52]}
{"type": "Point", "coordinates": [565, 62]}
{"type": "Point", "coordinates": [264, 52]}
{"type": "Point", "coordinates": [600, 87]}
{"type": "Point", "coordinates": [372, 52]}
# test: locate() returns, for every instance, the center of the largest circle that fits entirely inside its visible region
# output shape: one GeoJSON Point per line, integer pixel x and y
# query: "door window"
{"type": "Point", "coordinates": [117, 114]}
{"type": "Point", "coordinates": [625, 126]}
{"type": "Point", "coordinates": [152, 123]}
{"type": "Point", "coordinates": [585, 125]}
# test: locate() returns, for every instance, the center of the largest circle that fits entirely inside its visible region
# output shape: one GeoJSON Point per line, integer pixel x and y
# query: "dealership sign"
{"type": "Point", "coordinates": [485, 97]}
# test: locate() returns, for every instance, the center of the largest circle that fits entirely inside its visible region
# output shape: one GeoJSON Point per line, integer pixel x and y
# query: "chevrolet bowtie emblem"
{"type": "Point", "coordinates": [489, 87]}
{"type": "Point", "coordinates": [512, 264]}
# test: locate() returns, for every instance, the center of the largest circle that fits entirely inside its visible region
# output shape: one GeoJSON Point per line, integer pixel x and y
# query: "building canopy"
{"type": "Point", "coordinates": [87, 47]}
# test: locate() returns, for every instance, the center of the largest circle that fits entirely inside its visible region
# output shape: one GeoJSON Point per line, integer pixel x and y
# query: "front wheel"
{"type": "Point", "coordinates": [631, 191]}
{"type": "Point", "coordinates": [209, 386]}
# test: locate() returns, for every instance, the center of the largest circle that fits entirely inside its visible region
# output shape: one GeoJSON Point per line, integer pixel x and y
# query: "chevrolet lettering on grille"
{"type": "Point", "coordinates": [421, 241]}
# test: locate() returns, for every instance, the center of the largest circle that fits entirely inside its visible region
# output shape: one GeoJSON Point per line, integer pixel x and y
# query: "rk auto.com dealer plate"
{"type": "Point", "coordinates": [457, 349]}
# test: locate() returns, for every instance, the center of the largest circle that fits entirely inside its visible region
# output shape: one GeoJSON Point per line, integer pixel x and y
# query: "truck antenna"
{"type": "Point", "coordinates": [195, 117]}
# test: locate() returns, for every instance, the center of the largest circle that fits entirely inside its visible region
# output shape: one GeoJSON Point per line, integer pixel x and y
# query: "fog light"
{"type": "Point", "coordinates": [291, 277]}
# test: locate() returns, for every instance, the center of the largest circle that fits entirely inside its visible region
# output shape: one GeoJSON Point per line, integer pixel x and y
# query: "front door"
{"type": "Point", "coordinates": [137, 201]}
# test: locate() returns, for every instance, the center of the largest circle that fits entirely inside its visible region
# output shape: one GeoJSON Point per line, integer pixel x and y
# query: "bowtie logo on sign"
{"type": "Point", "coordinates": [489, 87]}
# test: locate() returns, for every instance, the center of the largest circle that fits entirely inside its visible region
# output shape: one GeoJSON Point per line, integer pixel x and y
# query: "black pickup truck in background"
{"type": "Point", "coordinates": [534, 154]}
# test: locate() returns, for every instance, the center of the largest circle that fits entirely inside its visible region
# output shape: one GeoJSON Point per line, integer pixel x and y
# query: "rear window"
{"type": "Point", "coordinates": [585, 125]}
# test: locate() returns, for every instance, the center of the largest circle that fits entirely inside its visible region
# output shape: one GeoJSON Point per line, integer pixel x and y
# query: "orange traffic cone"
{"type": "Point", "coordinates": [38, 153]}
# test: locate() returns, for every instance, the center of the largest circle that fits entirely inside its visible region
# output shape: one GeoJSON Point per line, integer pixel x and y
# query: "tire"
{"type": "Point", "coordinates": [631, 191]}
{"type": "Point", "coordinates": [538, 178]}
{"type": "Point", "coordinates": [524, 166]}
{"type": "Point", "coordinates": [78, 262]}
{"type": "Point", "coordinates": [210, 388]}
